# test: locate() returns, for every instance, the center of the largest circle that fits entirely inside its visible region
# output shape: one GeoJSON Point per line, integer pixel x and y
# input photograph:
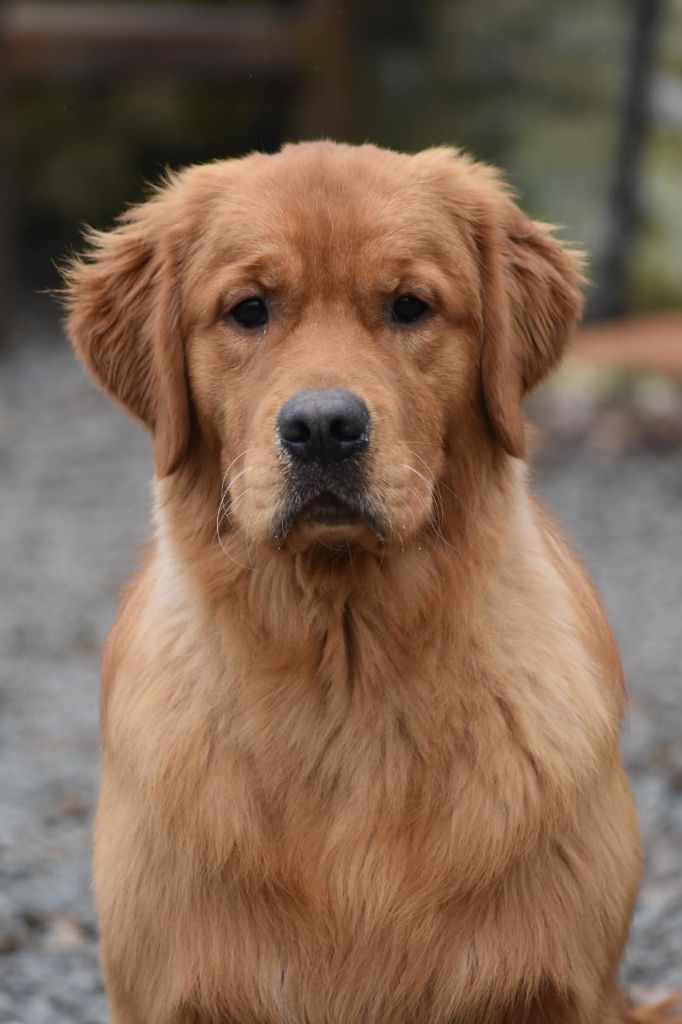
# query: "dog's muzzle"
{"type": "Point", "coordinates": [324, 435]}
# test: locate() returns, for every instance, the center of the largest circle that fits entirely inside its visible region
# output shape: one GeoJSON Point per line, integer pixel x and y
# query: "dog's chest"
{"type": "Point", "coordinates": [364, 927]}
{"type": "Point", "coordinates": [353, 879]}
{"type": "Point", "coordinates": [316, 859]}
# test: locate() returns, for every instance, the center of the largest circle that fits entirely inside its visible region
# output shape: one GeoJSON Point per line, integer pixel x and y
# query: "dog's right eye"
{"type": "Point", "coordinates": [250, 313]}
{"type": "Point", "coordinates": [408, 309]}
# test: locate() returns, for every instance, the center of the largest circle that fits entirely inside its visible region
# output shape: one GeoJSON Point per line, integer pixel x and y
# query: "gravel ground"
{"type": "Point", "coordinates": [74, 495]}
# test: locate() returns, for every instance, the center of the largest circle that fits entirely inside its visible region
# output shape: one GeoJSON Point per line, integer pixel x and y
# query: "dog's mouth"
{"type": "Point", "coordinates": [327, 507]}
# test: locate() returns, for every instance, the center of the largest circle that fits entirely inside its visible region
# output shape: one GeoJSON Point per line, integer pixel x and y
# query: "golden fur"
{"type": "Point", "coordinates": [351, 776]}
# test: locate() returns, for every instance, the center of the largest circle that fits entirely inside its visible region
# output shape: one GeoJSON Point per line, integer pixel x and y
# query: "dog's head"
{"type": "Point", "coordinates": [331, 325]}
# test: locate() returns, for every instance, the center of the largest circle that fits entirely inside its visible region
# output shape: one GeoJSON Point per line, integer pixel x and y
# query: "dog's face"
{"type": "Point", "coordinates": [334, 324]}
{"type": "Point", "coordinates": [330, 344]}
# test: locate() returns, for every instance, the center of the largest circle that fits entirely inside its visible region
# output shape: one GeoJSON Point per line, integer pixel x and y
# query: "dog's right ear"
{"type": "Point", "coordinates": [122, 298]}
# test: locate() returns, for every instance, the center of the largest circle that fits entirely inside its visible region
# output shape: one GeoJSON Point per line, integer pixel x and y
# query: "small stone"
{"type": "Point", "coordinates": [63, 933]}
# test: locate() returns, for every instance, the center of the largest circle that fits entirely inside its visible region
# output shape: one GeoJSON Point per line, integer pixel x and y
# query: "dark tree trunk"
{"type": "Point", "coordinates": [6, 235]}
{"type": "Point", "coordinates": [612, 297]}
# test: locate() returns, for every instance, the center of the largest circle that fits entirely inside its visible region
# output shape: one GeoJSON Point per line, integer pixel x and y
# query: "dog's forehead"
{"type": "Point", "coordinates": [320, 199]}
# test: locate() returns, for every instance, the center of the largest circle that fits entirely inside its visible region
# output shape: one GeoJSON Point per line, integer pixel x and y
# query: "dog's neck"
{"type": "Point", "coordinates": [291, 604]}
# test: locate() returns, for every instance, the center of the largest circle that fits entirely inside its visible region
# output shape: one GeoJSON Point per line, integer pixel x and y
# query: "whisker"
{"type": "Point", "coordinates": [423, 462]}
{"type": "Point", "coordinates": [438, 487]}
{"type": "Point", "coordinates": [436, 483]}
{"type": "Point", "coordinates": [431, 501]}
{"type": "Point", "coordinates": [421, 476]}
{"type": "Point", "coordinates": [234, 498]}
{"type": "Point", "coordinates": [241, 472]}
{"type": "Point", "coordinates": [249, 568]}
{"type": "Point", "coordinates": [224, 489]}
{"type": "Point", "coordinates": [236, 459]}
{"type": "Point", "coordinates": [224, 507]}
{"type": "Point", "coordinates": [430, 488]}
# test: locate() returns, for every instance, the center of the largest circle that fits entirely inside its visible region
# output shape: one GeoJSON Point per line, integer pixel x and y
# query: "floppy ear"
{"type": "Point", "coordinates": [531, 300]}
{"type": "Point", "coordinates": [124, 323]}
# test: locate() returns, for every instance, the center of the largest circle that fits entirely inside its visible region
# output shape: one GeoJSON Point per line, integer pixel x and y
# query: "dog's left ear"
{"type": "Point", "coordinates": [530, 302]}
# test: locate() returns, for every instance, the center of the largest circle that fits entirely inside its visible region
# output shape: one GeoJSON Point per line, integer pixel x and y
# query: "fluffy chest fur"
{"type": "Point", "coordinates": [355, 799]}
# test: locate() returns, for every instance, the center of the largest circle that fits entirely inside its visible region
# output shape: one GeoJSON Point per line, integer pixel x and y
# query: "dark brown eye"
{"type": "Point", "coordinates": [250, 313]}
{"type": "Point", "coordinates": [408, 309]}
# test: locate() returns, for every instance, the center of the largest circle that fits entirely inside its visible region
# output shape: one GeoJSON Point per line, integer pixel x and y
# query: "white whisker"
{"type": "Point", "coordinates": [241, 472]}
{"type": "Point", "coordinates": [249, 568]}
{"type": "Point", "coordinates": [421, 476]}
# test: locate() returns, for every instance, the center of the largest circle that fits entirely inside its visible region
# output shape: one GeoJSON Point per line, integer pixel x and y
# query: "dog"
{"type": "Point", "coordinates": [361, 706]}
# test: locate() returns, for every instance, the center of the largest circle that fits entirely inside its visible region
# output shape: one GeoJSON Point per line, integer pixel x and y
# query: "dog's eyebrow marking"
{"type": "Point", "coordinates": [415, 280]}
{"type": "Point", "coordinates": [390, 285]}
{"type": "Point", "coordinates": [265, 268]}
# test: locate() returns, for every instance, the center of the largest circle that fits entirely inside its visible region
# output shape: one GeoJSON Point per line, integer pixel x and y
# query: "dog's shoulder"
{"type": "Point", "coordinates": [596, 630]}
{"type": "Point", "coordinates": [120, 640]}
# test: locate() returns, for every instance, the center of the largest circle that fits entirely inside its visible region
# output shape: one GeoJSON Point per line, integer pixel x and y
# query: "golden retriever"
{"type": "Point", "coordinates": [361, 706]}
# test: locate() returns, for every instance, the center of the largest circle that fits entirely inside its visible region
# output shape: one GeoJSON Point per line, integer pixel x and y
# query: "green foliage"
{"type": "Point", "coordinates": [532, 85]}
{"type": "Point", "coordinates": [86, 152]}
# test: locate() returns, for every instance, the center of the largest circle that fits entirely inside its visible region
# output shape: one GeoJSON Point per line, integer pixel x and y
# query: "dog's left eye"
{"type": "Point", "coordinates": [408, 309]}
{"type": "Point", "coordinates": [250, 313]}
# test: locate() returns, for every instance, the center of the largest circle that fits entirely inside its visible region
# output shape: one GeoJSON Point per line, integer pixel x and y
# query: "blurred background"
{"type": "Point", "coordinates": [580, 103]}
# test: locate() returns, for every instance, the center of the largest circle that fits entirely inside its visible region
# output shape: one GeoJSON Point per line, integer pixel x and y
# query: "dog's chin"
{"type": "Point", "coordinates": [331, 523]}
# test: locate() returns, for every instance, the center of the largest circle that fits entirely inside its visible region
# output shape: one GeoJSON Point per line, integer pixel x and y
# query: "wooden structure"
{"type": "Point", "coordinates": [652, 343]}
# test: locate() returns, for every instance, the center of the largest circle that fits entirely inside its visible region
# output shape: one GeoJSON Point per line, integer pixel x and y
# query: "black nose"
{"type": "Point", "coordinates": [324, 425]}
